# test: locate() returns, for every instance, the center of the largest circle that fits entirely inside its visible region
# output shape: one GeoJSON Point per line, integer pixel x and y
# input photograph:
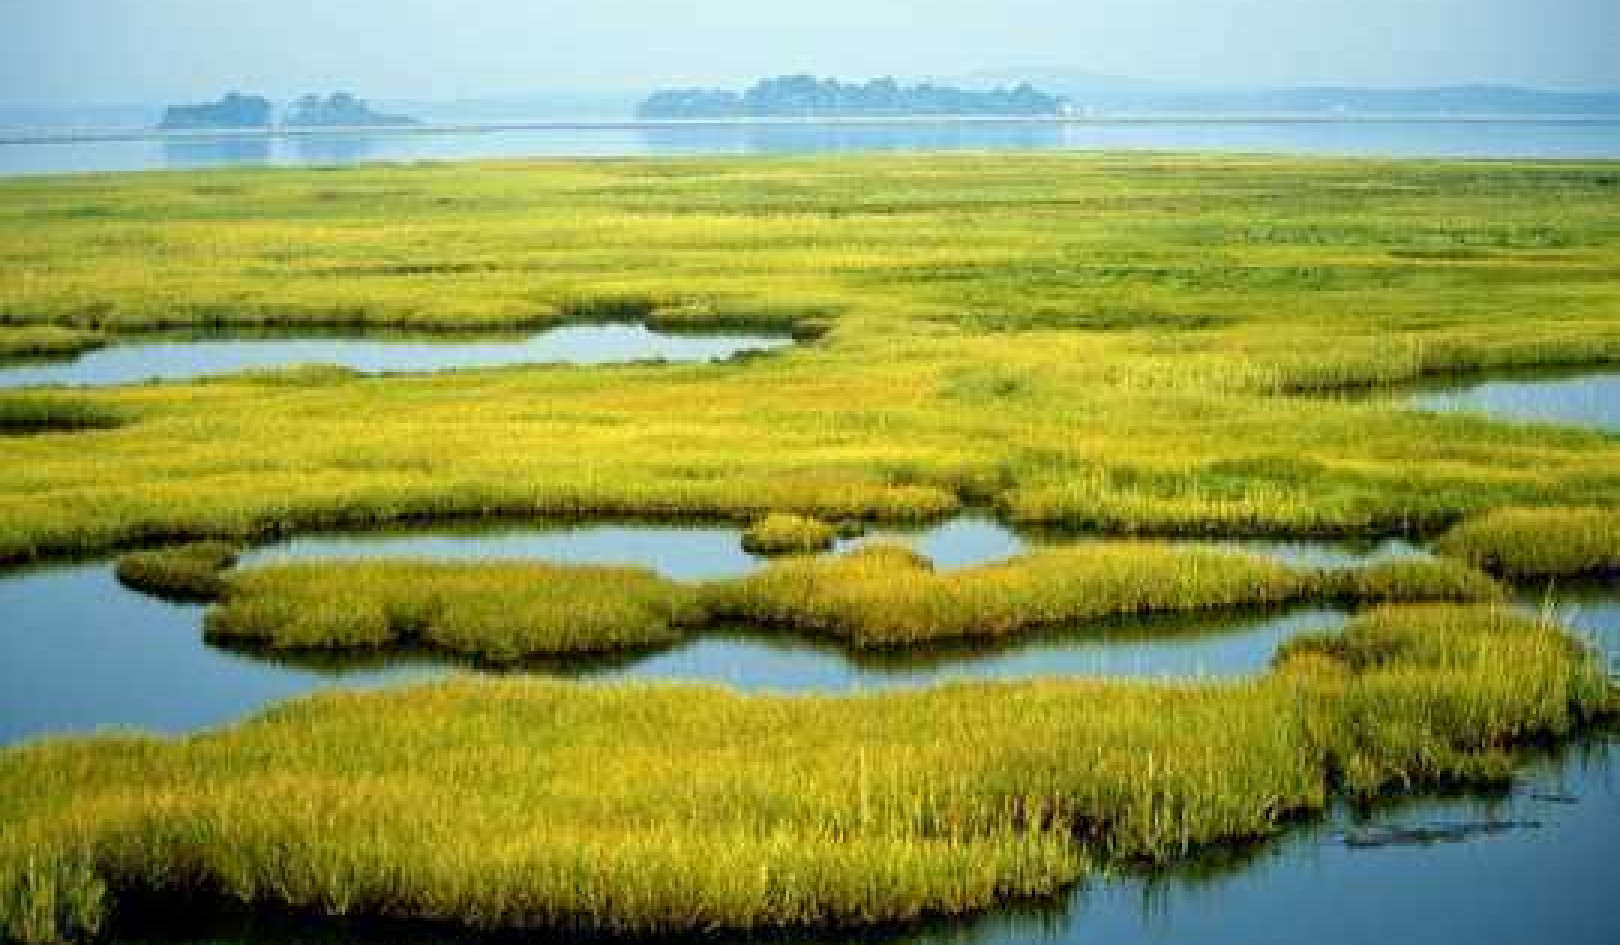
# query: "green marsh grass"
{"type": "Point", "coordinates": [1410, 580]}
{"type": "Point", "coordinates": [784, 533]}
{"type": "Point", "coordinates": [24, 414]}
{"type": "Point", "coordinates": [887, 595]}
{"type": "Point", "coordinates": [664, 809]}
{"type": "Point", "coordinates": [191, 571]}
{"type": "Point", "coordinates": [46, 341]}
{"type": "Point", "coordinates": [1089, 340]}
{"type": "Point", "coordinates": [496, 612]}
{"type": "Point", "coordinates": [1098, 341]}
{"type": "Point", "coordinates": [879, 595]}
{"type": "Point", "coordinates": [1531, 543]}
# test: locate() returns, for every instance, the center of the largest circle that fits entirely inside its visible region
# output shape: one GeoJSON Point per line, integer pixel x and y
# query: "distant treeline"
{"type": "Point", "coordinates": [235, 110]}
{"type": "Point", "coordinates": [806, 96]}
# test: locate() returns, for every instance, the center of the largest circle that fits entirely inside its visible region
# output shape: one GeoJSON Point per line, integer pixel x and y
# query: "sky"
{"type": "Point", "coordinates": [71, 52]}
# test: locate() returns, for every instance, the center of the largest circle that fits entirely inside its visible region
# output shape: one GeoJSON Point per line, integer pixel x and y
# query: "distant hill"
{"type": "Point", "coordinates": [340, 109]}
{"type": "Point", "coordinates": [1090, 92]}
{"type": "Point", "coordinates": [802, 96]}
{"type": "Point", "coordinates": [235, 110]}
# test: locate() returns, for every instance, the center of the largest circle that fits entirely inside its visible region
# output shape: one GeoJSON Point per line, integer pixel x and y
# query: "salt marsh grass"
{"type": "Point", "coordinates": [46, 341]}
{"type": "Point", "coordinates": [880, 595]}
{"type": "Point", "coordinates": [1089, 340]}
{"type": "Point", "coordinates": [497, 612]}
{"type": "Point", "coordinates": [23, 414]}
{"type": "Point", "coordinates": [190, 571]}
{"type": "Point", "coordinates": [784, 533]}
{"type": "Point", "coordinates": [662, 809]}
{"type": "Point", "coordinates": [1109, 342]}
{"type": "Point", "coordinates": [1529, 543]}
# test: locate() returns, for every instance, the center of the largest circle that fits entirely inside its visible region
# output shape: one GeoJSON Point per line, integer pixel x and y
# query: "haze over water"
{"type": "Point", "coordinates": [1463, 139]}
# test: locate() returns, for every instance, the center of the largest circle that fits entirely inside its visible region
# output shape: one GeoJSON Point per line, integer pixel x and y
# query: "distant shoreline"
{"type": "Point", "coordinates": [95, 135]}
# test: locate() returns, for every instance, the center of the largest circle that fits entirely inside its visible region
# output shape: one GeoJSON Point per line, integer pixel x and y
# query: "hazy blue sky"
{"type": "Point", "coordinates": [85, 51]}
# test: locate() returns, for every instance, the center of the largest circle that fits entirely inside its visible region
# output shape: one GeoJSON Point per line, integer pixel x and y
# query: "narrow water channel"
{"type": "Point", "coordinates": [79, 651]}
{"type": "Point", "coordinates": [135, 361]}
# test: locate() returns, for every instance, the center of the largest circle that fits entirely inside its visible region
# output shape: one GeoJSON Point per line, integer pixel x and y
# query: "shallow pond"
{"type": "Point", "coordinates": [1532, 864]}
{"type": "Point", "coordinates": [1581, 399]}
{"type": "Point", "coordinates": [78, 650]}
{"type": "Point", "coordinates": [183, 358]}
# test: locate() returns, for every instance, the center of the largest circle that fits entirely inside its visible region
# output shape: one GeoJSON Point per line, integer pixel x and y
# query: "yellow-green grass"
{"type": "Point", "coordinates": [191, 571]}
{"type": "Point", "coordinates": [1093, 341]}
{"type": "Point", "coordinates": [1404, 580]}
{"type": "Point", "coordinates": [46, 341]}
{"type": "Point", "coordinates": [27, 413]}
{"type": "Point", "coordinates": [880, 595]}
{"type": "Point", "coordinates": [662, 809]}
{"type": "Point", "coordinates": [887, 595]}
{"type": "Point", "coordinates": [496, 612]}
{"type": "Point", "coordinates": [1530, 543]}
{"type": "Point", "coordinates": [785, 533]}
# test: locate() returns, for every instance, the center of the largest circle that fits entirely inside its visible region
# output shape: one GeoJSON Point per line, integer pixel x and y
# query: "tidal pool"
{"type": "Point", "coordinates": [1581, 399]}
{"type": "Point", "coordinates": [79, 651]}
{"type": "Point", "coordinates": [132, 361]}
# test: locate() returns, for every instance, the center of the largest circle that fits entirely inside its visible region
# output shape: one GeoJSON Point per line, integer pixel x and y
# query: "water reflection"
{"type": "Point", "coordinates": [805, 138]}
{"type": "Point", "coordinates": [1507, 138]}
{"type": "Point", "coordinates": [215, 152]}
{"type": "Point", "coordinates": [334, 148]}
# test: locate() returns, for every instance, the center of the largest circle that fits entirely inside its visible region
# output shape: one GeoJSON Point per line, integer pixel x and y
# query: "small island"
{"type": "Point", "coordinates": [234, 110]}
{"type": "Point", "coordinates": [339, 110]}
{"type": "Point", "coordinates": [237, 111]}
{"type": "Point", "coordinates": [806, 96]}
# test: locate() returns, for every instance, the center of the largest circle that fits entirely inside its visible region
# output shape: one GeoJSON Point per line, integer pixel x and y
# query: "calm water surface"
{"type": "Point", "coordinates": [570, 344]}
{"type": "Point", "coordinates": [1525, 139]}
{"type": "Point", "coordinates": [78, 650]}
{"type": "Point", "coordinates": [1584, 399]}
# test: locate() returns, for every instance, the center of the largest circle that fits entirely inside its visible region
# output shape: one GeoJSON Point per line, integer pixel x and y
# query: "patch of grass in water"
{"type": "Point", "coordinates": [496, 612]}
{"type": "Point", "coordinates": [784, 533]}
{"type": "Point", "coordinates": [1538, 542]}
{"type": "Point", "coordinates": [187, 572]}
{"type": "Point", "coordinates": [881, 595]}
{"type": "Point", "coordinates": [670, 809]}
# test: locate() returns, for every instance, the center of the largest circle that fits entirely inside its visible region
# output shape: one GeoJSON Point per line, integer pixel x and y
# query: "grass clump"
{"type": "Point", "coordinates": [1411, 580]}
{"type": "Point", "coordinates": [884, 595]}
{"type": "Point", "coordinates": [668, 809]}
{"type": "Point", "coordinates": [1544, 542]}
{"type": "Point", "coordinates": [191, 571]}
{"type": "Point", "coordinates": [1436, 693]}
{"type": "Point", "coordinates": [494, 612]}
{"type": "Point", "coordinates": [46, 341]}
{"type": "Point", "coordinates": [784, 533]}
{"type": "Point", "coordinates": [24, 414]}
